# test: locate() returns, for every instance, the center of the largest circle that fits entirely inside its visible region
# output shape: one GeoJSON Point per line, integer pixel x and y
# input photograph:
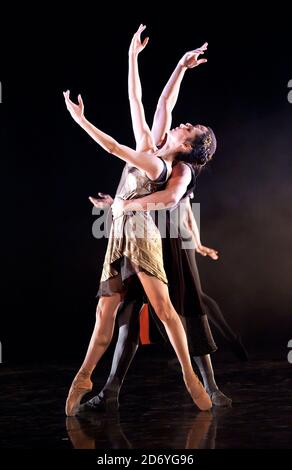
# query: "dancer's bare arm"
{"type": "Point", "coordinates": [163, 114]}
{"type": "Point", "coordinates": [141, 130]}
{"type": "Point", "coordinates": [165, 199]}
{"type": "Point", "coordinates": [142, 133]}
{"type": "Point", "coordinates": [152, 165]}
{"type": "Point", "coordinates": [192, 226]}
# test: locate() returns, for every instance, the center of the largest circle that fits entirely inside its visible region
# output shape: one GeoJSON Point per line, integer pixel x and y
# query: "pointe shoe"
{"type": "Point", "coordinates": [100, 403]}
{"type": "Point", "coordinates": [219, 399]}
{"type": "Point", "coordinates": [80, 386]}
{"type": "Point", "coordinates": [198, 393]}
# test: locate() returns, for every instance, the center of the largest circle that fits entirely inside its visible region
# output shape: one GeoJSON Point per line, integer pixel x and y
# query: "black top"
{"type": "Point", "coordinates": [192, 184]}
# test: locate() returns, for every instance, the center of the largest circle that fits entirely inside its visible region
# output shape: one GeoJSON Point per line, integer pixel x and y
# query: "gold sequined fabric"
{"type": "Point", "coordinates": [134, 236]}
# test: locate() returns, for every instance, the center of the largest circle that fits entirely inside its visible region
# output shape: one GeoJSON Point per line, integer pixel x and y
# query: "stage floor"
{"type": "Point", "coordinates": [155, 410]}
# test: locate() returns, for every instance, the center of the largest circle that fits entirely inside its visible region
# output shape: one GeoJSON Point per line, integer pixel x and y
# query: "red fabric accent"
{"type": "Point", "coordinates": [144, 325]}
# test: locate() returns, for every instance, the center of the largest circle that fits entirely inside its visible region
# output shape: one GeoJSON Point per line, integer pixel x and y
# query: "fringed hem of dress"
{"type": "Point", "coordinates": [124, 269]}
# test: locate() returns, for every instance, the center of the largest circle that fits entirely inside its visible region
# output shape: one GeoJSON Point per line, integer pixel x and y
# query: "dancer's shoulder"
{"type": "Point", "coordinates": [182, 169]}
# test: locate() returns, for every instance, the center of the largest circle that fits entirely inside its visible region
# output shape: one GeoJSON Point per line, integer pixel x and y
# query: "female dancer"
{"type": "Point", "coordinates": [127, 254]}
{"type": "Point", "coordinates": [179, 263]}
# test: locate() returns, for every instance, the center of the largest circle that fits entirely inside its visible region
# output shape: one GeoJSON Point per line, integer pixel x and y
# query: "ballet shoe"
{"type": "Point", "coordinates": [219, 399]}
{"type": "Point", "coordinates": [80, 386]}
{"type": "Point", "coordinates": [100, 403]}
{"type": "Point", "coordinates": [198, 393]}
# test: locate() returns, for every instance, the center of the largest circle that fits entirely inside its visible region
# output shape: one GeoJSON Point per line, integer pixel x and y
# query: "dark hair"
{"type": "Point", "coordinates": [203, 149]}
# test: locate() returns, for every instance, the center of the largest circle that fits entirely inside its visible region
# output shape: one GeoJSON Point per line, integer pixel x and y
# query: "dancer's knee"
{"type": "Point", "coordinates": [164, 310]}
{"type": "Point", "coordinates": [103, 340]}
{"type": "Point", "coordinates": [99, 310]}
{"type": "Point", "coordinates": [107, 306]}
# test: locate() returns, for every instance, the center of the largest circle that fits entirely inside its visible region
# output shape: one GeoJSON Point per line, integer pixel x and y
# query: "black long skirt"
{"type": "Point", "coordinates": [185, 293]}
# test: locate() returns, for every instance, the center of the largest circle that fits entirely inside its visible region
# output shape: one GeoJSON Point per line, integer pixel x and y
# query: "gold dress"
{"type": "Point", "coordinates": [134, 242]}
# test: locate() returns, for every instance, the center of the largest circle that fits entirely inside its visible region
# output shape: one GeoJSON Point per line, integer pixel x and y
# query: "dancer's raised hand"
{"type": "Point", "coordinates": [76, 110]}
{"type": "Point", "coordinates": [137, 45]}
{"type": "Point", "coordinates": [191, 59]}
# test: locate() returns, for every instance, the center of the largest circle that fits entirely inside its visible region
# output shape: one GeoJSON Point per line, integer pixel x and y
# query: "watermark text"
{"type": "Point", "coordinates": [289, 96]}
{"type": "Point", "coordinates": [158, 221]}
{"type": "Point", "coordinates": [289, 357]}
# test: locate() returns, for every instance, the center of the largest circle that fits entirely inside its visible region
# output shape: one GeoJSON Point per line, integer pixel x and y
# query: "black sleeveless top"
{"type": "Point", "coordinates": [192, 184]}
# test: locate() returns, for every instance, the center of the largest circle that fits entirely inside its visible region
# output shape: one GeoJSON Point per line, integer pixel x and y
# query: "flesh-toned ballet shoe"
{"type": "Point", "coordinates": [198, 393]}
{"type": "Point", "coordinates": [80, 386]}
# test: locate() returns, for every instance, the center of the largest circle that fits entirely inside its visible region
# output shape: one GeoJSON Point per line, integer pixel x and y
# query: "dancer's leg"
{"type": "Point", "coordinates": [126, 347]}
{"type": "Point", "coordinates": [204, 364]}
{"type": "Point", "coordinates": [158, 295]}
{"type": "Point", "coordinates": [106, 311]}
{"type": "Point", "coordinates": [99, 342]}
{"type": "Point", "coordinates": [127, 344]}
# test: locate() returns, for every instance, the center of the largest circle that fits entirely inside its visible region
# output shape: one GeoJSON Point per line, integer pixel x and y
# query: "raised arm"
{"type": "Point", "coordinates": [152, 165]}
{"type": "Point", "coordinates": [163, 114]}
{"type": "Point", "coordinates": [143, 137]}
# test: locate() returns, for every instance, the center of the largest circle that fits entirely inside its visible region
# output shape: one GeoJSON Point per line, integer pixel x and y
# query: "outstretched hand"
{"type": "Point", "coordinates": [191, 59]}
{"type": "Point", "coordinates": [103, 201]}
{"type": "Point", "coordinates": [76, 110]}
{"type": "Point", "coordinates": [205, 251]}
{"type": "Point", "coordinates": [136, 45]}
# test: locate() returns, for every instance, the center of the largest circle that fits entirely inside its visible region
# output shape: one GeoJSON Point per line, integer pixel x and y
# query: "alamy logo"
{"type": "Point", "coordinates": [289, 96]}
{"type": "Point", "coordinates": [180, 224]}
{"type": "Point", "coordinates": [289, 357]}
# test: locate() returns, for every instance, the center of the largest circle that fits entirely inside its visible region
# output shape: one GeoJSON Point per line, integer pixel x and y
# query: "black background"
{"type": "Point", "coordinates": [51, 262]}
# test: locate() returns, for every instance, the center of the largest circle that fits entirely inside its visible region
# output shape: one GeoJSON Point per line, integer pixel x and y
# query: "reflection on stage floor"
{"type": "Point", "coordinates": [155, 410]}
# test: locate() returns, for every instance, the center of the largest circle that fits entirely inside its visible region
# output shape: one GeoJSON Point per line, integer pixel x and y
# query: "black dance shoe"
{"type": "Point", "coordinates": [219, 399]}
{"type": "Point", "coordinates": [103, 402]}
